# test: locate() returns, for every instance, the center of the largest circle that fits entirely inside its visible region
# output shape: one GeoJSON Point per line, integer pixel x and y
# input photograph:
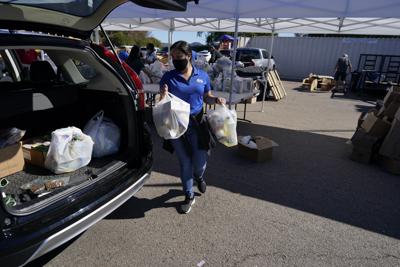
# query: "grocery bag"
{"type": "Point", "coordinates": [223, 124]}
{"type": "Point", "coordinates": [69, 150]}
{"type": "Point", "coordinates": [171, 117]}
{"type": "Point", "coordinates": [105, 135]}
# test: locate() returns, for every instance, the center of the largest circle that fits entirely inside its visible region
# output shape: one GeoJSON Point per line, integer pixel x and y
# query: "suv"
{"type": "Point", "coordinates": [65, 85]}
{"type": "Point", "coordinates": [254, 57]}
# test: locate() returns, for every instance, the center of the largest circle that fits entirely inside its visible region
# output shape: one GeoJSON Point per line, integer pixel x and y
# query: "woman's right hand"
{"type": "Point", "coordinates": [163, 91]}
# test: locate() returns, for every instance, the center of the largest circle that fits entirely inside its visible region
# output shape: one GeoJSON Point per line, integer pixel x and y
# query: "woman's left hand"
{"type": "Point", "coordinates": [220, 100]}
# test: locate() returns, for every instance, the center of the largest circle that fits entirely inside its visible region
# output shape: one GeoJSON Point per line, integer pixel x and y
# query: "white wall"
{"type": "Point", "coordinates": [296, 57]}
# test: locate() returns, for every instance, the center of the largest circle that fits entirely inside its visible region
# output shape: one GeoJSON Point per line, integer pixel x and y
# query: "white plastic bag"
{"type": "Point", "coordinates": [105, 135]}
{"type": "Point", "coordinates": [69, 150]}
{"type": "Point", "coordinates": [171, 117]}
{"type": "Point", "coordinates": [223, 124]}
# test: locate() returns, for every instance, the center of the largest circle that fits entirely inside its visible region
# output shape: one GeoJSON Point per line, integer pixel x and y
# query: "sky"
{"type": "Point", "coordinates": [189, 37]}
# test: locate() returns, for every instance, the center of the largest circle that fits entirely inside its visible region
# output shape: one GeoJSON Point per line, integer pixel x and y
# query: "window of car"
{"type": "Point", "coordinates": [87, 71]}
{"type": "Point", "coordinates": [248, 53]}
{"type": "Point", "coordinates": [265, 54]}
{"type": "Point", "coordinates": [77, 8]}
{"type": "Point", "coordinates": [5, 69]}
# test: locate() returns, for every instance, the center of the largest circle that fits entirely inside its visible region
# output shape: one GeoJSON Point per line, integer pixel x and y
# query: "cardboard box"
{"type": "Point", "coordinates": [262, 153]}
{"type": "Point", "coordinates": [393, 95]}
{"type": "Point", "coordinates": [391, 145]}
{"type": "Point", "coordinates": [362, 155]}
{"type": "Point", "coordinates": [35, 151]}
{"type": "Point", "coordinates": [391, 110]}
{"type": "Point", "coordinates": [11, 160]}
{"type": "Point", "coordinates": [362, 140]}
{"type": "Point", "coordinates": [389, 165]}
{"type": "Point", "coordinates": [363, 115]}
{"type": "Point", "coordinates": [251, 100]}
{"type": "Point", "coordinates": [375, 126]}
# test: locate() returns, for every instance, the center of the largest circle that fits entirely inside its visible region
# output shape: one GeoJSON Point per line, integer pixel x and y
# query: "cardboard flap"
{"type": "Point", "coordinates": [264, 143]}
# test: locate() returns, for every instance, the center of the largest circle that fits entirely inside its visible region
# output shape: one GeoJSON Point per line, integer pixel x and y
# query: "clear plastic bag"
{"type": "Point", "coordinates": [223, 124]}
{"type": "Point", "coordinates": [10, 136]}
{"type": "Point", "coordinates": [105, 135]}
{"type": "Point", "coordinates": [171, 117]}
{"type": "Point", "coordinates": [69, 150]}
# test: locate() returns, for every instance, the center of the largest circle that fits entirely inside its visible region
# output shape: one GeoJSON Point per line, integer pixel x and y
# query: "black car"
{"type": "Point", "coordinates": [49, 82]}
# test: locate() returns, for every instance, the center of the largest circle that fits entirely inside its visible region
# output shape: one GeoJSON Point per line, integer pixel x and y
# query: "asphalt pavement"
{"type": "Point", "coordinates": [309, 206]}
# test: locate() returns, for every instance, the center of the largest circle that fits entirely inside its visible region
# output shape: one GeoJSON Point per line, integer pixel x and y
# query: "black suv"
{"type": "Point", "coordinates": [49, 82]}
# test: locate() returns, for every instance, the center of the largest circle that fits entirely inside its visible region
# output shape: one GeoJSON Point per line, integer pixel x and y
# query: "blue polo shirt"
{"type": "Point", "coordinates": [191, 91]}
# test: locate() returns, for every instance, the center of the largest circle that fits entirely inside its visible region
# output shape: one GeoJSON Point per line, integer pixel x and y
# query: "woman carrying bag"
{"type": "Point", "coordinates": [193, 86]}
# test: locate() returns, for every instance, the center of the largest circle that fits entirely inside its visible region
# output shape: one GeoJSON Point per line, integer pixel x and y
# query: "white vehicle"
{"type": "Point", "coordinates": [254, 57]}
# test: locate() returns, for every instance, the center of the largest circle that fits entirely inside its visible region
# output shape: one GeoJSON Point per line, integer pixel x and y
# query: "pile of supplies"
{"type": "Point", "coordinates": [64, 151]}
{"type": "Point", "coordinates": [377, 137]}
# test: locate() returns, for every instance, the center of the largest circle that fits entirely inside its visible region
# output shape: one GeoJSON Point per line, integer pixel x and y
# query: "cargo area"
{"type": "Point", "coordinates": [44, 103]}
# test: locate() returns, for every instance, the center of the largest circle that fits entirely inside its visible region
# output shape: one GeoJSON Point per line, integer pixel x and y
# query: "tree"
{"type": "Point", "coordinates": [139, 38]}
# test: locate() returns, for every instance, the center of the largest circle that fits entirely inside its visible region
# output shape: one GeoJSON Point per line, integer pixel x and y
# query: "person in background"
{"type": "Point", "coordinates": [215, 54]}
{"type": "Point", "coordinates": [134, 61]}
{"type": "Point", "coordinates": [123, 53]}
{"type": "Point", "coordinates": [193, 86]}
{"type": "Point", "coordinates": [343, 65]}
{"type": "Point", "coordinates": [151, 54]}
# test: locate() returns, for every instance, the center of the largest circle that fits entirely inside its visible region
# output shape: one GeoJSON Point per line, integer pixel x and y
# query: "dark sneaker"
{"type": "Point", "coordinates": [187, 204]}
{"type": "Point", "coordinates": [201, 185]}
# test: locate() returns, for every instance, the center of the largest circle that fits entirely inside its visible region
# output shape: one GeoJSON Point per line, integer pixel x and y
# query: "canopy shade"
{"type": "Point", "coordinates": [269, 9]}
{"type": "Point", "coordinates": [297, 16]}
{"type": "Point", "coordinates": [369, 26]}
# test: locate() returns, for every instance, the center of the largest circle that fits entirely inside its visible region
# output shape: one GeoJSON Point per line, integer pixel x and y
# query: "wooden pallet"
{"type": "Point", "coordinates": [278, 91]}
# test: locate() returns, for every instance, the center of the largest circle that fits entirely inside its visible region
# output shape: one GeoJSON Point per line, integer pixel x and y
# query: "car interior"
{"type": "Point", "coordinates": [62, 87]}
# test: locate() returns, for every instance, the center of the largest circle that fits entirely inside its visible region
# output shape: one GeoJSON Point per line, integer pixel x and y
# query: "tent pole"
{"type": "Point", "coordinates": [268, 67]}
{"type": "Point", "coordinates": [233, 58]}
{"type": "Point", "coordinates": [170, 33]}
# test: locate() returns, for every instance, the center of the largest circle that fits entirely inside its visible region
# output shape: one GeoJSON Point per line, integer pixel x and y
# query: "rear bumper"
{"type": "Point", "coordinates": [32, 252]}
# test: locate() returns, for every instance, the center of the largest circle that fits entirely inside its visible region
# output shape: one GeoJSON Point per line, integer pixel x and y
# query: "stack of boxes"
{"type": "Point", "coordinates": [378, 135]}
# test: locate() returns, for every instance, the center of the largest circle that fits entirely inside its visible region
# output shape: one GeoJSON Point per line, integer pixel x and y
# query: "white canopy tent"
{"type": "Point", "coordinates": [370, 26]}
{"type": "Point", "coordinates": [298, 16]}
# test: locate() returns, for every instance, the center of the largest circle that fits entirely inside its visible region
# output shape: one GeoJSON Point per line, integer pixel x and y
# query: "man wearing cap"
{"type": "Point", "coordinates": [342, 65]}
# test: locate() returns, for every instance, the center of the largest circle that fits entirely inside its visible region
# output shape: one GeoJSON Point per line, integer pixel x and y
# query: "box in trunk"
{"type": "Point", "coordinates": [11, 160]}
{"type": "Point", "coordinates": [35, 151]}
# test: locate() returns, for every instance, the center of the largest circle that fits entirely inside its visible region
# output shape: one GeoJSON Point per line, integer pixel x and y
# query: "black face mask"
{"type": "Point", "coordinates": [180, 64]}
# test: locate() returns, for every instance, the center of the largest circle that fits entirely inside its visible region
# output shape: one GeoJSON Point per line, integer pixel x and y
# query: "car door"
{"type": "Point", "coordinates": [71, 18]}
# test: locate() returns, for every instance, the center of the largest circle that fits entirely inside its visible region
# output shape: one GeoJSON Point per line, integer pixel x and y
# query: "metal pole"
{"type": "Point", "coordinates": [268, 67]}
{"type": "Point", "coordinates": [170, 33]}
{"type": "Point", "coordinates": [233, 58]}
{"type": "Point", "coordinates": [97, 36]}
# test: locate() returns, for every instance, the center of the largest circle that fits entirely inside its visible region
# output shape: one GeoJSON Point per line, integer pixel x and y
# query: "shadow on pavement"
{"type": "Point", "coordinates": [309, 172]}
{"type": "Point", "coordinates": [137, 207]}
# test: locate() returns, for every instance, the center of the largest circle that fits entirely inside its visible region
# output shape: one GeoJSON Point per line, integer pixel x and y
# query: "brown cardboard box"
{"type": "Point", "coordinates": [391, 110]}
{"type": "Point", "coordinates": [375, 126]}
{"type": "Point", "coordinates": [361, 139]}
{"type": "Point", "coordinates": [251, 100]}
{"type": "Point", "coordinates": [35, 151]}
{"type": "Point", "coordinates": [11, 160]}
{"type": "Point", "coordinates": [391, 145]}
{"type": "Point", "coordinates": [393, 95]}
{"type": "Point", "coordinates": [262, 153]}
{"type": "Point", "coordinates": [389, 165]}
{"type": "Point", "coordinates": [363, 115]}
{"type": "Point", "coordinates": [362, 155]}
